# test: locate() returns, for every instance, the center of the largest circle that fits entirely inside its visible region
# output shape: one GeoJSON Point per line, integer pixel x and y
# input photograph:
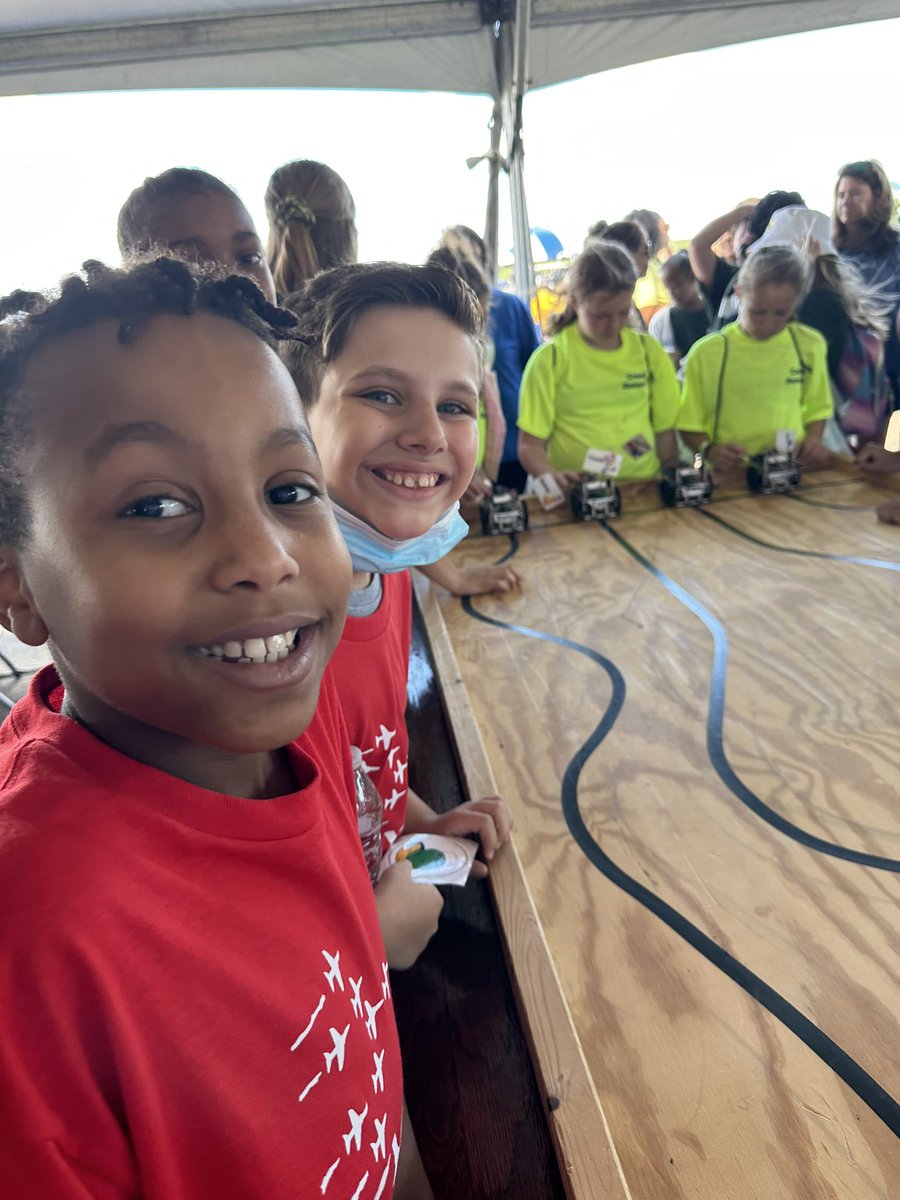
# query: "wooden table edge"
{"type": "Point", "coordinates": [588, 1160]}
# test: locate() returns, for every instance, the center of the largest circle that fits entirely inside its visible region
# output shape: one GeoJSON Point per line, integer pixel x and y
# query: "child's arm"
{"type": "Point", "coordinates": [726, 455]}
{"type": "Point", "coordinates": [407, 913]}
{"type": "Point", "coordinates": [811, 454]}
{"type": "Point", "coordinates": [488, 818]}
{"type": "Point", "coordinates": [537, 412]}
{"type": "Point", "coordinates": [532, 454]}
{"type": "Point", "coordinates": [411, 1182]}
{"type": "Point", "coordinates": [701, 253]}
{"type": "Point", "coordinates": [495, 425]}
{"type": "Point", "coordinates": [479, 487]}
{"type": "Point", "coordinates": [472, 580]}
{"type": "Point", "coordinates": [667, 449]}
{"type": "Point", "coordinates": [665, 403]}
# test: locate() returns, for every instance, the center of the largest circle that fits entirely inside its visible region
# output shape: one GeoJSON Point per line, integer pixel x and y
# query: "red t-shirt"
{"type": "Point", "coordinates": [370, 668]}
{"type": "Point", "coordinates": [195, 1005]}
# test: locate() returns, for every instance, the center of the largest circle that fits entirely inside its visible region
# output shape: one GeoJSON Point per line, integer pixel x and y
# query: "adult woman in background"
{"type": "Point", "coordinates": [852, 319]}
{"type": "Point", "coordinates": [864, 236]}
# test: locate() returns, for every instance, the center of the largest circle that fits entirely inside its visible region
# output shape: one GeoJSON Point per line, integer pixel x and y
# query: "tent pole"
{"type": "Point", "coordinates": [514, 94]}
{"type": "Point", "coordinates": [491, 219]}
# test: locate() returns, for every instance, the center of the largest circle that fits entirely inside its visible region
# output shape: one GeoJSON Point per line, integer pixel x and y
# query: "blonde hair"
{"type": "Point", "coordinates": [778, 263]}
{"type": "Point", "coordinates": [601, 267]}
{"type": "Point", "coordinates": [312, 223]}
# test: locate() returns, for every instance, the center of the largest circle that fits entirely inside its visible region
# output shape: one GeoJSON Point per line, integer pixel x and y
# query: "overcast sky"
{"type": "Point", "coordinates": [690, 136]}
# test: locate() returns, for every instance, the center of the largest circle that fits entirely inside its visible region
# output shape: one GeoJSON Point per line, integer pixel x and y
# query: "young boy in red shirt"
{"type": "Point", "coordinates": [388, 365]}
{"type": "Point", "coordinates": [196, 1003]}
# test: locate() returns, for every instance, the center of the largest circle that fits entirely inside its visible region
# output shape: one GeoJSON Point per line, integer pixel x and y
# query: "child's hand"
{"type": "Point", "coordinates": [565, 479]}
{"type": "Point", "coordinates": [876, 460]}
{"type": "Point", "coordinates": [726, 457]}
{"type": "Point", "coordinates": [488, 818]}
{"type": "Point", "coordinates": [481, 578]}
{"type": "Point", "coordinates": [889, 513]}
{"type": "Point", "coordinates": [479, 487]}
{"type": "Point", "coordinates": [812, 455]}
{"type": "Point", "coordinates": [472, 580]}
{"type": "Point", "coordinates": [407, 913]}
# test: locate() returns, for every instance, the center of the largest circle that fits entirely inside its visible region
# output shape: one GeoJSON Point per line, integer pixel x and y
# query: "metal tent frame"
{"type": "Point", "coordinates": [502, 48]}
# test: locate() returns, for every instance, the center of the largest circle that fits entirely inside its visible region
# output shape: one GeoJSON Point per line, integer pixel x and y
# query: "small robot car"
{"type": "Point", "coordinates": [774, 471]}
{"type": "Point", "coordinates": [503, 511]}
{"type": "Point", "coordinates": [594, 498]}
{"type": "Point", "coordinates": [686, 486]}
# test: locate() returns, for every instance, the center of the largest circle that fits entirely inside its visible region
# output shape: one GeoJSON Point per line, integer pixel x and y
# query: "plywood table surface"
{"type": "Point", "coordinates": [704, 770]}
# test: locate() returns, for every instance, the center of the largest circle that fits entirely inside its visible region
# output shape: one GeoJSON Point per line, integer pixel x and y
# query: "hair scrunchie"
{"type": "Point", "coordinates": [292, 208]}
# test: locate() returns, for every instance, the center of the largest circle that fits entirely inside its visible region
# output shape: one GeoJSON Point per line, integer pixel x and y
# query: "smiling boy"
{"type": "Point", "coordinates": [389, 368]}
{"type": "Point", "coordinates": [194, 994]}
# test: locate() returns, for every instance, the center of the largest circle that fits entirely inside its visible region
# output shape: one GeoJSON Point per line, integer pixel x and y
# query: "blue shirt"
{"type": "Point", "coordinates": [515, 339]}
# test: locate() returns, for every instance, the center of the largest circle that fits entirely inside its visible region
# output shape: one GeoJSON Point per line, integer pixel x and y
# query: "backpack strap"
{"type": "Point", "coordinates": [648, 370]}
{"type": "Point", "coordinates": [805, 369]}
{"type": "Point", "coordinates": [719, 389]}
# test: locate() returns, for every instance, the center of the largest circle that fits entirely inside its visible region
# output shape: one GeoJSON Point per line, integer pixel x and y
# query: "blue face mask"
{"type": "Point", "coordinates": [383, 555]}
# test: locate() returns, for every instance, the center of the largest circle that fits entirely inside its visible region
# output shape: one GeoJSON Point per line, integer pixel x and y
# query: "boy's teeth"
{"type": "Point", "coordinates": [254, 650]}
{"type": "Point", "coordinates": [409, 480]}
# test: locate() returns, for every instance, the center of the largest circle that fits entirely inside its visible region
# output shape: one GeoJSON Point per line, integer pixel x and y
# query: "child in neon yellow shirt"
{"type": "Point", "coordinates": [598, 384]}
{"type": "Point", "coordinates": [761, 375]}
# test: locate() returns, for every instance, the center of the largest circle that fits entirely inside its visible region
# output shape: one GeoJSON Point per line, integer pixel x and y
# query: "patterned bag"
{"type": "Point", "coordinates": [862, 393]}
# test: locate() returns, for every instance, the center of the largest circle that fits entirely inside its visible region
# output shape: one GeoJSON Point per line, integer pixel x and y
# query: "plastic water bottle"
{"type": "Point", "coordinates": [369, 813]}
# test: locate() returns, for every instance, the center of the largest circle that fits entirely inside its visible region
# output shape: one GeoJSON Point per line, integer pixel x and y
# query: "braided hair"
{"type": "Point", "coordinates": [131, 296]}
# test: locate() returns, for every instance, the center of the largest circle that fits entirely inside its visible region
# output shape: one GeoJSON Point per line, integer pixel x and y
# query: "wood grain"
{"type": "Point", "coordinates": [706, 1093]}
{"type": "Point", "coordinates": [588, 1161]}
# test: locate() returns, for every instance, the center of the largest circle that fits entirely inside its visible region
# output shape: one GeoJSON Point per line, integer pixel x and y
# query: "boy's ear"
{"type": "Point", "coordinates": [18, 612]}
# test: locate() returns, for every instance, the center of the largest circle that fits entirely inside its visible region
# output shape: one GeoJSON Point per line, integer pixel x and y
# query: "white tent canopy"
{"type": "Point", "coordinates": [502, 48]}
{"type": "Point", "coordinates": [437, 45]}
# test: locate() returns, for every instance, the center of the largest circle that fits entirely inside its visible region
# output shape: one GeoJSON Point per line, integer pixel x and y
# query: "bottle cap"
{"type": "Point", "coordinates": [356, 757]}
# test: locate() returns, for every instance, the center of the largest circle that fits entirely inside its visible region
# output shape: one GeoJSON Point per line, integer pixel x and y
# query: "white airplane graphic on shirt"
{"type": "Point", "coordinates": [371, 1011]}
{"type": "Point", "coordinates": [354, 1137]}
{"type": "Point", "coordinates": [356, 1002]}
{"type": "Point", "coordinates": [392, 799]}
{"type": "Point", "coordinates": [378, 1077]}
{"type": "Point", "coordinates": [338, 1041]}
{"type": "Point", "coordinates": [333, 974]}
{"type": "Point", "coordinates": [378, 1146]}
{"type": "Point", "coordinates": [385, 737]}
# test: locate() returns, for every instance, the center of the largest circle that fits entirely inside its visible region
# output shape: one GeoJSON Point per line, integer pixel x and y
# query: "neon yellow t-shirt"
{"type": "Point", "coordinates": [767, 386]}
{"type": "Point", "coordinates": [576, 398]}
{"type": "Point", "coordinates": [650, 291]}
